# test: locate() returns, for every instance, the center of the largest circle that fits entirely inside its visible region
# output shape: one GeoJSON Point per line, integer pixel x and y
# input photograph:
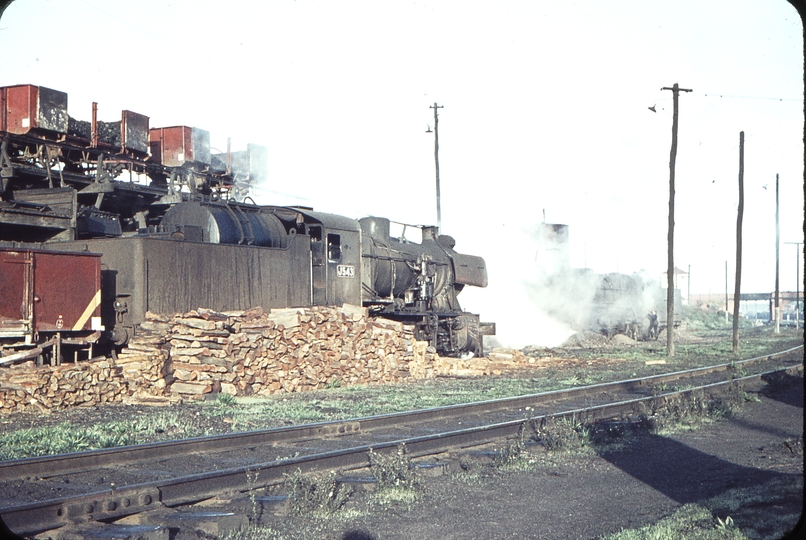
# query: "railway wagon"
{"type": "Point", "coordinates": [49, 304]}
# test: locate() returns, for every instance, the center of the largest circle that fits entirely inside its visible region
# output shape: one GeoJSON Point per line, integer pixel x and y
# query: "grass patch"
{"type": "Point", "coordinates": [703, 321]}
{"type": "Point", "coordinates": [65, 438]}
{"type": "Point", "coordinates": [305, 530]}
{"type": "Point", "coordinates": [737, 514]}
{"type": "Point", "coordinates": [687, 413]}
{"type": "Point", "coordinates": [61, 439]}
{"type": "Point", "coordinates": [716, 350]}
{"type": "Point", "coordinates": [692, 522]}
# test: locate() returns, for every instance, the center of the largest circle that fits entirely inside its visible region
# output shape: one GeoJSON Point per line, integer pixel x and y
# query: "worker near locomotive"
{"type": "Point", "coordinates": [106, 222]}
{"type": "Point", "coordinates": [653, 325]}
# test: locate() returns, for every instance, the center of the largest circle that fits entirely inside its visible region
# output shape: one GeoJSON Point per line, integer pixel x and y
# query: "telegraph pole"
{"type": "Point", "coordinates": [436, 160]}
{"type": "Point", "coordinates": [777, 312]}
{"type": "Point", "coordinates": [737, 294]}
{"type": "Point", "coordinates": [670, 266]}
{"type": "Point", "coordinates": [797, 285]}
{"type": "Point", "coordinates": [726, 292]}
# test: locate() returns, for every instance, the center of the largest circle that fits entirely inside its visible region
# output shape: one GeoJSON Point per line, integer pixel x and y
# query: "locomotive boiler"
{"type": "Point", "coordinates": [408, 280]}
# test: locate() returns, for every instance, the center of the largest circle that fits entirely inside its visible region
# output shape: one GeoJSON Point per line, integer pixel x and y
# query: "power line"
{"type": "Point", "coordinates": [713, 95]}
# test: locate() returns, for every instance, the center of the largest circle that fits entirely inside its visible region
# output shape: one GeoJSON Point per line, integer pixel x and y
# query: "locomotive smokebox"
{"type": "Point", "coordinates": [398, 268]}
{"type": "Point", "coordinates": [389, 264]}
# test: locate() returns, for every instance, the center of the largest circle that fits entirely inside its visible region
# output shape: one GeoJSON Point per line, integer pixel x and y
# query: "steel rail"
{"type": "Point", "coordinates": [61, 464]}
{"type": "Point", "coordinates": [41, 516]}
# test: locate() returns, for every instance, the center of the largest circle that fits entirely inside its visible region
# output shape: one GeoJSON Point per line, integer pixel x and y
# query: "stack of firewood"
{"type": "Point", "coordinates": [143, 361]}
{"type": "Point", "coordinates": [239, 353]}
{"type": "Point", "coordinates": [26, 386]}
{"type": "Point", "coordinates": [290, 350]}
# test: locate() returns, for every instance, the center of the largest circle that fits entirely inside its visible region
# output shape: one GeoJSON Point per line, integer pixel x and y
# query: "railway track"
{"type": "Point", "coordinates": [105, 485]}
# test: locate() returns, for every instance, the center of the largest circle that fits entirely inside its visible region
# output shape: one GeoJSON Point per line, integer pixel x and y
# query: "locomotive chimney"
{"type": "Point", "coordinates": [430, 232]}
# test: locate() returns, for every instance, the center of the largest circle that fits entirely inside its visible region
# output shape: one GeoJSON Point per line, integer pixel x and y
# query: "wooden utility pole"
{"type": "Point", "coordinates": [436, 160]}
{"type": "Point", "coordinates": [688, 286]}
{"type": "Point", "coordinates": [737, 291]}
{"type": "Point", "coordinates": [777, 312]}
{"type": "Point", "coordinates": [670, 266]}
{"type": "Point", "coordinates": [797, 284]}
{"type": "Point", "coordinates": [726, 292]}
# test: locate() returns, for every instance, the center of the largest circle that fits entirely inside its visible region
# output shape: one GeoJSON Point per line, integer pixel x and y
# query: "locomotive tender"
{"type": "Point", "coordinates": [174, 232]}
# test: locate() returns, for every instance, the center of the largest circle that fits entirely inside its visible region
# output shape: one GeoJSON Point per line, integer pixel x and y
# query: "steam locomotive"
{"type": "Point", "coordinates": [608, 304]}
{"type": "Point", "coordinates": [129, 219]}
{"type": "Point", "coordinates": [630, 306]}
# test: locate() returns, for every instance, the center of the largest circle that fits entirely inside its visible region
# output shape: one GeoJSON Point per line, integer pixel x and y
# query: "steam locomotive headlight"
{"type": "Point", "coordinates": [120, 308]}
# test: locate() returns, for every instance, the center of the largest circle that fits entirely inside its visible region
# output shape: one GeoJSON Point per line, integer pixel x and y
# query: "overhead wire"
{"type": "Point", "coordinates": [715, 95]}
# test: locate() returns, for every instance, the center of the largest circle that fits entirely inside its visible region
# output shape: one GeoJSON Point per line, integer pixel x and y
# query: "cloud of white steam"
{"type": "Point", "coordinates": [536, 298]}
{"type": "Point", "coordinates": [510, 300]}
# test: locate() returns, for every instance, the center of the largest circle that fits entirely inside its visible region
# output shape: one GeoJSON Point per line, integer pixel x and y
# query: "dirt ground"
{"type": "Point", "coordinates": [587, 495]}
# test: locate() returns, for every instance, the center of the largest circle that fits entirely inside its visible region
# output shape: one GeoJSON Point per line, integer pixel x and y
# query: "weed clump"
{"type": "Point", "coordinates": [684, 411]}
{"type": "Point", "coordinates": [510, 455]}
{"type": "Point", "coordinates": [225, 400]}
{"type": "Point", "coordinates": [393, 470]}
{"type": "Point", "coordinates": [565, 434]}
{"type": "Point", "coordinates": [312, 496]}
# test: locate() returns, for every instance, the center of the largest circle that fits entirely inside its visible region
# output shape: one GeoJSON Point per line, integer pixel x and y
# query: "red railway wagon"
{"type": "Point", "coordinates": [40, 112]}
{"type": "Point", "coordinates": [26, 108]}
{"type": "Point", "coordinates": [50, 304]}
{"type": "Point", "coordinates": [180, 146]}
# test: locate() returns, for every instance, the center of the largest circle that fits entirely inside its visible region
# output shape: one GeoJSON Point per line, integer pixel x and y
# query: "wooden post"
{"type": "Point", "coordinates": [737, 294]}
{"type": "Point", "coordinates": [726, 292]}
{"type": "Point", "coordinates": [797, 284]}
{"type": "Point", "coordinates": [777, 311]}
{"type": "Point", "coordinates": [436, 163]}
{"type": "Point", "coordinates": [670, 238]}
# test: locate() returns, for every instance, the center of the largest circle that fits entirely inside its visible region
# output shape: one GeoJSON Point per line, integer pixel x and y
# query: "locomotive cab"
{"type": "Point", "coordinates": [335, 258]}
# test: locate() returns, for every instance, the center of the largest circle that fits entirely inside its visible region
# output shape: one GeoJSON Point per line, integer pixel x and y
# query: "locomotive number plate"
{"type": "Point", "coordinates": [345, 270]}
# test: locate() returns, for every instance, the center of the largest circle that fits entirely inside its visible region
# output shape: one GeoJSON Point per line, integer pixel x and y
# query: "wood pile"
{"type": "Point", "coordinates": [189, 355]}
{"type": "Point", "coordinates": [289, 350]}
{"type": "Point", "coordinates": [495, 363]}
{"type": "Point", "coordinates": [28, 387]}
{"type": "Point", "coordinates": [143, 362]}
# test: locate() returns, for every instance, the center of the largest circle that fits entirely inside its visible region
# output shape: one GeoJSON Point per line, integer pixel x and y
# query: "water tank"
{"type": "Point", "coordinates": [221, 223]}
